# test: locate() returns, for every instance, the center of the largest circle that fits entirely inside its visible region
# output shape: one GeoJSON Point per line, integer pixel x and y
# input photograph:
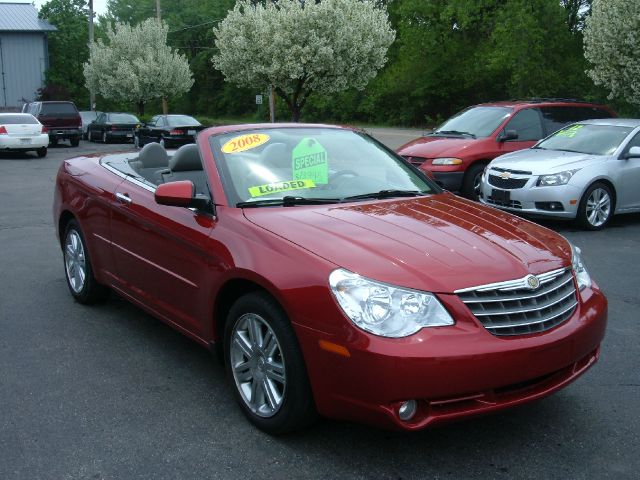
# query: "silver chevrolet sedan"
{"type": "Point", "coordinates": [588, 171]}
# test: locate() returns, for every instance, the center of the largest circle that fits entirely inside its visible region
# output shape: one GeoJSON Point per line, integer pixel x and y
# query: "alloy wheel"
{"type": "Point", "coordinates": [258, 365]}
{"type": "Point", "coordinates": [598, 207]}
{"type": "Point", "coordinates": [75, 261]}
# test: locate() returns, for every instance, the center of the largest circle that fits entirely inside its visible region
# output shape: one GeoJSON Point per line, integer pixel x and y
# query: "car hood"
{"type": "Point", "coordinates": [541, 162]}
{"type": "Point", "coordinates": [434, 147]}
{"type": "Point", "coordinates": [439, 243]}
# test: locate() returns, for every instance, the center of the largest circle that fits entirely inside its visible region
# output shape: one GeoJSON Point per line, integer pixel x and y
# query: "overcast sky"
{"type": "Point", "coordinates": [99, 6]}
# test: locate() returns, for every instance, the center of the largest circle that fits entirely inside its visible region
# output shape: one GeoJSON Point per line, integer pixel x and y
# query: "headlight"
{"type": "Point", "coordinates": [446, 161]}
{"type": "Point", "coordinates": [384, 309]}
{"type": "Point", "coordinates": [582, 276]}
{"type": "Point", "coordinates": [561, 178]}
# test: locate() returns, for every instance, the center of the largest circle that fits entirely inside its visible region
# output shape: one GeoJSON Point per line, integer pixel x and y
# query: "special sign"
{"type": "Point", "coordinates": [309, 160]}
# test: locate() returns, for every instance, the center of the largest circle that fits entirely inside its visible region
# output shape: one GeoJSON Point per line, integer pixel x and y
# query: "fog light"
{"type": "Point", "coordinates": [407, 410]}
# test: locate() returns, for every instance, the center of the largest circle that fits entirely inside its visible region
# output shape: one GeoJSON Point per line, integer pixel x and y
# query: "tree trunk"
{"type": "Point", "coordinates": [295, 112]}
{"type": "Point", "coordinates": [140, 108]}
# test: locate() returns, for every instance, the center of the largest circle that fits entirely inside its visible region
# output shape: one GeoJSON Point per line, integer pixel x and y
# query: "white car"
{"type": "Point", "coordinates": [22, 132]}
{"type": "Point", "coordinates": [587, 171]}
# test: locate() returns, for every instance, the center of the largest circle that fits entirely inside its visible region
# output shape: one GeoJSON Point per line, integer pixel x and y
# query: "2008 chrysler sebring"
{"type": "Point", "coordinates": [332, 276]}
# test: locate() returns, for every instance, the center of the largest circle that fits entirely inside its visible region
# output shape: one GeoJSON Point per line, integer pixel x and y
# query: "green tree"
{"type": "Point", "coordinates": [68, 48]}
{"type": "Point", "coordinates": [136, 65]}
{"type": "Point", "coordinates": [302, 48]}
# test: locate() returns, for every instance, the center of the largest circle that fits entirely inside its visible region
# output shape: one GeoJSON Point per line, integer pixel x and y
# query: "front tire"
{"type": "Point", "coordinates": [265, 366]}
{"type": "Point", "coordinates": [78, 269]}
{"type": "Point", "coordinates": [596, 207]}
{"type": "Point", "coordinates": [472, 182]}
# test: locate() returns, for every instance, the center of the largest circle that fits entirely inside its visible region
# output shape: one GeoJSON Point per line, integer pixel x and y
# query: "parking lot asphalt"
{"type": "Point", "coordinates": [108, 392]}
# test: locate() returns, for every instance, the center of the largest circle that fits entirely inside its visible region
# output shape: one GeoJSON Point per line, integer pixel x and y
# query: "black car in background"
{"type": "Point", "coordinates": [170, 131]}
{"type": "Point", "coordinates": [113, 126]}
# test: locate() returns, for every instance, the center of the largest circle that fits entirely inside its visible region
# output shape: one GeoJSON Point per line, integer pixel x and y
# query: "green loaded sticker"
{"type": "Point", "coordinates": [309, 160]}
{"type": "Point", "coordinates": [570, 132]}
{"type": "Point", "coordinates": [260, 190]}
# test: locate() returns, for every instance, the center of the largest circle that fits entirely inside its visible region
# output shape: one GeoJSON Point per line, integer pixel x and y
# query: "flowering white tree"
{"type": "Point", "coordinates": [303, 47]}
{"type": "Point", "coordinates": [612, 45]}
{"type": "Point", "coordinates": [137, 65]}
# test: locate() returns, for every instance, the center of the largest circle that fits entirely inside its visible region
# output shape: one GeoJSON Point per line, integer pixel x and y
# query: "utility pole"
{"type": "Point", "coordinates": [272, 104]}
{"type": "Point", "coordinates": [92, 96]}
{"type": "Point", "coordinates": [165, 106]}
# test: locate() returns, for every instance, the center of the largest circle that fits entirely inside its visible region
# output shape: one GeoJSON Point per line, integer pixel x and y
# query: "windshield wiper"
{"type": "Point", "coordinates": [287, 201]}
{"type": "Point", "coordinates": [454, 132]}
{"type": "Point", "coordinates": [385, 194]}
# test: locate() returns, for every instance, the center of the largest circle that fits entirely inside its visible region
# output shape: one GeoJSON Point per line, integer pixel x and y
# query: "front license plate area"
{"type": "Point", "coordinates": [502, 196]}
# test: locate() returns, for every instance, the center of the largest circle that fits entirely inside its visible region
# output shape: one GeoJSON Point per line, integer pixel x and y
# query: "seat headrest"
{"type": "Point", "coordinates": [276, 155]}
{"type": "Point", "coordinates": [153, 155]}
{"type": "Point", "coordinates": [186, 158]}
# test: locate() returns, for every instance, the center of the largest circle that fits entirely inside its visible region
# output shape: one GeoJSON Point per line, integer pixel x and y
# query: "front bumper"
{"type": "Point", "coordinates": [451, 181]}
{"type": "Point", "coordinates": [452, 372]}
{"type": "Point", "coordinates": [23, 143]}
{"type": "Point", "coordinates": [536, 201]}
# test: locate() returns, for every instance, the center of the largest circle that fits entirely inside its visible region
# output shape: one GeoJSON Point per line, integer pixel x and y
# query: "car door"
{"type": "Point", "coordinates": [628, 192]}
{"type": "Point", "coordinates": [161, 255]}
{"type": "Point", "coordinates": [96, 127]}
{"type": "Point", "coordinates": [528, 125]}
{"type": "Point", "coordinates": [143, 132]}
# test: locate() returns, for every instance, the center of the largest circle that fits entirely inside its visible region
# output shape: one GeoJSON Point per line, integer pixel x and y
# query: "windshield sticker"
{"type": "Point", "coordinates": [260, 190]}
{"type": "Point", "coordinates": [570, 132]}
{"type": "Point", "coordinates": [310, 160]}
{"type": "Point", "coordinates": [245, 142]}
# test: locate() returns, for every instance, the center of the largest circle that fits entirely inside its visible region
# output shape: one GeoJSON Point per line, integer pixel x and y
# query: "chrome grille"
{"type": "Point", "coordinates": [507, 183]}
{"type": "Point", "coordinates": [511, 308]}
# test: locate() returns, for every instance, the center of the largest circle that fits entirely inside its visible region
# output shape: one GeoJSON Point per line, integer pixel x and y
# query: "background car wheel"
{"type": "Point", "coordinates": [104, 137]}
{"type": "Point", "coordinates": [74, 141]}
{"type": "Point", "coordinates": [471, 183]}
{"type": "Point", "coordinates": [265, 366]}
{"type": "Point", "coordinates": [42, 152]}
{"type": "Point", "coordinates": [596, 207]}
{"type": "Point", "coordinates": [77, 266]}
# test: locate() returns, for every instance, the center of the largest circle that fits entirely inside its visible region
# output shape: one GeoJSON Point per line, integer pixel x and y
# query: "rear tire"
{"type": "Point", "coordinates": [265, 366]}
{"type": "Point", "coordinates": [74, 141]}
{"type": "Point", "coordinates": [78, 270]}
{"type": "Point", "coordinates": [471, 183]}
{"type": "Point", "coordinates": [53, 141]}
{"type": "Point", "coordinates": [596, 207]}
{"type": "Point", "coordinates": [42, 152]}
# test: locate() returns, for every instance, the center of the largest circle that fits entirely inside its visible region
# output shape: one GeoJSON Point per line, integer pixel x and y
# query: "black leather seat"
{"type": "Point", "coordinates": [151, 162]}
{"type": "Point", "coordinates": [186, 164]}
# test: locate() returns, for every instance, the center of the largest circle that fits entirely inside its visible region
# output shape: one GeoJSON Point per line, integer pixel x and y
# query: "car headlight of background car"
{"type": "Point", "coordinates": [582, 275]}
{"type": "Point", "coordinates": [554, 179]}
{"type": "Point", "coordinates": [446, 161]}
{"type": "Point", "coordinates": [384, 309]}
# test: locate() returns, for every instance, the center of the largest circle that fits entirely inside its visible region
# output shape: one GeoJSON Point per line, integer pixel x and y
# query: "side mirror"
{"type": "Point", "coordinates": [180, 194]}
{"type": "Point", "coordinates": [508, 135]}
{"type": "Point", "coordinates": [634, 152]}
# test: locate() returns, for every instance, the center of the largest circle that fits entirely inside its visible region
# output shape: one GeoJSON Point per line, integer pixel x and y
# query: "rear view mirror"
{"type": "Point", "coordinates": [634, 152]}
{"type": "Point", "coordinates": [180, 194]}
{"type": "Point", "coordinates": [508, 135]}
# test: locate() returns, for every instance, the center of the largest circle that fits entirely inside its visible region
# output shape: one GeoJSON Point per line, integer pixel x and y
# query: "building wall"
{"type": "Point", "coordinates": [23, 61]}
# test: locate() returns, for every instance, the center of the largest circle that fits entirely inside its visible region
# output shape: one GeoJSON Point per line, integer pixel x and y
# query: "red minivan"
{"type": "Point", "coordinates": [457, 151]}
{"type": "Point", "coordinates": [62, 120]}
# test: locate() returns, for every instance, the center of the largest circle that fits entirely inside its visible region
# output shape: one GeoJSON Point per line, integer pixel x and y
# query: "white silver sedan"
{"type": "Point", "coordinates": [587, 171]}
{"type": "Point", "coordinates": [23, 132]}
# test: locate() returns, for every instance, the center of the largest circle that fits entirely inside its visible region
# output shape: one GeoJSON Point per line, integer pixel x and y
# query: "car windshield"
{"type": "Point", "coordinates": [122, 118]}
{"type": "Point", "coordinates": [18, 119]}
{"type": "Point", "coordinates": [315, 165]}
{"type": "Point", "coordinates": [182, 121]}
{"type": "Point", "coordinates": [475, 121]}
{"type": "Point", "coordinates": [586, 138]}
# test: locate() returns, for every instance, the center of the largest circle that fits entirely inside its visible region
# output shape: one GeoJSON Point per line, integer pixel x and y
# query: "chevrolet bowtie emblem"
{"type": "Point", "coordinates": [505, 175]}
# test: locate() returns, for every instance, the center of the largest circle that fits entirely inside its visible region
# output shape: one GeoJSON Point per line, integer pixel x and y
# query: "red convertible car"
{"type": "Point", "coordinates": [331, 275]}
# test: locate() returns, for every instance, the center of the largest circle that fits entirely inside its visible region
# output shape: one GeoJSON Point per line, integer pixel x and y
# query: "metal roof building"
{"type": "Point", "coordinates": [24, 54]}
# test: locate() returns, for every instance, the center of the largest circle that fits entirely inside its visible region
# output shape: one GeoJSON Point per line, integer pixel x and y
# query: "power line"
{"type": "Point", "coordinates": [195, 26]}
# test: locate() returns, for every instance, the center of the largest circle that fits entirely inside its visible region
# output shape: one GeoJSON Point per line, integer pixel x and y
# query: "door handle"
{"type": "Point", "coordinates": [123, 198]}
